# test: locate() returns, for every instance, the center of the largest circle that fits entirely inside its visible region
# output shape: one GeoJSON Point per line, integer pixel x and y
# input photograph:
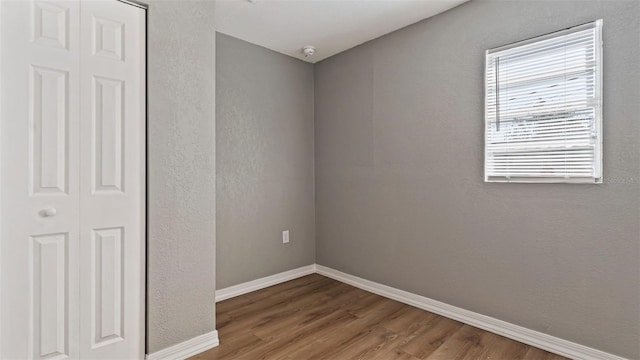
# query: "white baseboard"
{"type": "Point", "coordinates": [187, 348]}
{"type": "Point", "coordinates": [527, 336]}
{"type": "Point", "coordinates": [244, 288]}
{"type": "Point", "coordinates": [534, 338]}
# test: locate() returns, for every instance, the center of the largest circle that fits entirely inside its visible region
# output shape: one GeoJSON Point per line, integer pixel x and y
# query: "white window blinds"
{"type": "Point", "coordinates": [543, 120]}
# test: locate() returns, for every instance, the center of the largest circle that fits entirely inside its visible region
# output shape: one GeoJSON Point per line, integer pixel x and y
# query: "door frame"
{"type": "Point", "coordinates": [1, 92]}
{"type": "Point", "coordinates": [144, 338]}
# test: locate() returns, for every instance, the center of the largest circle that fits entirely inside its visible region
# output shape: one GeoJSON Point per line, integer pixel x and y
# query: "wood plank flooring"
{"type": "Point", "coordinates": [315, 317]}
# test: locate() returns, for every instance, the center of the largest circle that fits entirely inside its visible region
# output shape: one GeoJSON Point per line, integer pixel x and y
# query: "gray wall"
{"type": "Point", "coordinates": [399, 177]}
{"type": "Point", "coordinates": [181, 172]}
{"type": "Point", "coordinates": [265, 174]}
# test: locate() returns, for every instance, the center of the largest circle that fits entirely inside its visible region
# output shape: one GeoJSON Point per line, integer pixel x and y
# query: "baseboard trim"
{"type": "Point", "coordinates": [534, 338]}
{"type": "Point", "coordinates": [247, 287]}
{"type": "Point", "coordinates": [527, 336]}
{"type": "Point", "coordinates": [187, 348]}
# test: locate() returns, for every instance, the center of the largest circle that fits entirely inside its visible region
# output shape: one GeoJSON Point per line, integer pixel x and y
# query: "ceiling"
{"type": "Point", "coordinates": [331, 26]}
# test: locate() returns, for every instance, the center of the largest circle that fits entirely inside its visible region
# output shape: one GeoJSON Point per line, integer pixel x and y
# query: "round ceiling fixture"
{"type": "Point", "coordinates": [308, 50]}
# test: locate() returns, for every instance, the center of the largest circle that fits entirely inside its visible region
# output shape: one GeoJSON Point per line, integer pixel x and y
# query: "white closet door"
{"type": "Point", "coordinates": [39, 179]}
{"type": "Point", "coordinates": [72, 135]}
{"type": "Point", "coordinates": [112, 168]}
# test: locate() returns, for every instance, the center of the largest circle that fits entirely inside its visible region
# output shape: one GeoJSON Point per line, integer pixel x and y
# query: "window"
{"type": "Point", "coordinates": [543, 115]}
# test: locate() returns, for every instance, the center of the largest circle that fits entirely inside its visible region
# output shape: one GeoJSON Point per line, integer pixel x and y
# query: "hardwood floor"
{"type": "Point", "coordinates": [315, 317]}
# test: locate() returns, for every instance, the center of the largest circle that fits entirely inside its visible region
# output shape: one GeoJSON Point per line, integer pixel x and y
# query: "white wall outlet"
{"type": "Point", "coordinates": [285, 236]}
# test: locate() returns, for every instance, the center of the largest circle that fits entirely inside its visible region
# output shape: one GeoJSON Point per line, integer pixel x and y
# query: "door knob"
{"type": "Point", "coordinates": [48, 212]}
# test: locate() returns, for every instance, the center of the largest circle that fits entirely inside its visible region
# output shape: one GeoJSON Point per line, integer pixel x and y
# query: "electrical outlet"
{"type": "Point", "coordinates": [285, 236]}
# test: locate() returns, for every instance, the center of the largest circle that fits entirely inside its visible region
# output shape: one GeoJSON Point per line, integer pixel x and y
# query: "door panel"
{"type": "Point", "coordinates": [49, 266]}
{"type": "Point", "coordinates": [39, 182]}
{"type": "Point", "coordinates": [48, 143]}
{"type": "Point", "coordinates": [108, 286]}
{"type": "Point", "coordinates": [108, 134]}
{"type": "Point", "coordinates": [112, 180]}
{"type": "Point", "coordinates": [50, 23]}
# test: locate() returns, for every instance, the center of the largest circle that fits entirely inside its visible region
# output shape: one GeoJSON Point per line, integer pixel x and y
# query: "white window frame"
{"type": "Point", "coordinates": [597, 157]}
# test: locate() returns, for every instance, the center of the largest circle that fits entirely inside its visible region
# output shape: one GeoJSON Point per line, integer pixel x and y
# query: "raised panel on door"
{"type": "Point", "coordinates": [112, 180]}
{"type": "Point", "coordinates": [49, 288]}
{"type": "Point", "coordinates": [48, 142]}
{"type": "Point", "coordinates": [107, 286]}
{"type": "Point", "coordinates": [108, 37]}
{"type": "Point", "coordinates": [39, 179]}
{"type": "Point", "coordinates": [50, 23]}
{"type": "Point", "coordinates": [108, 134]}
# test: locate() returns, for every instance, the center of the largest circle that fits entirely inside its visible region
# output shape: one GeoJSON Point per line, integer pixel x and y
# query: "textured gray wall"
{"type": "Point", "coordinates": [399, 177]}
{"type": "Point", "coordinates": [265, 172]}
{"type": "Point", "coordinates": [181, 175]}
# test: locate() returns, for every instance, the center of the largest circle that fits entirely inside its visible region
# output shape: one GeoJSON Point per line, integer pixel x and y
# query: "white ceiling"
{"type": "Point", "coordinates": [332, 26]}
